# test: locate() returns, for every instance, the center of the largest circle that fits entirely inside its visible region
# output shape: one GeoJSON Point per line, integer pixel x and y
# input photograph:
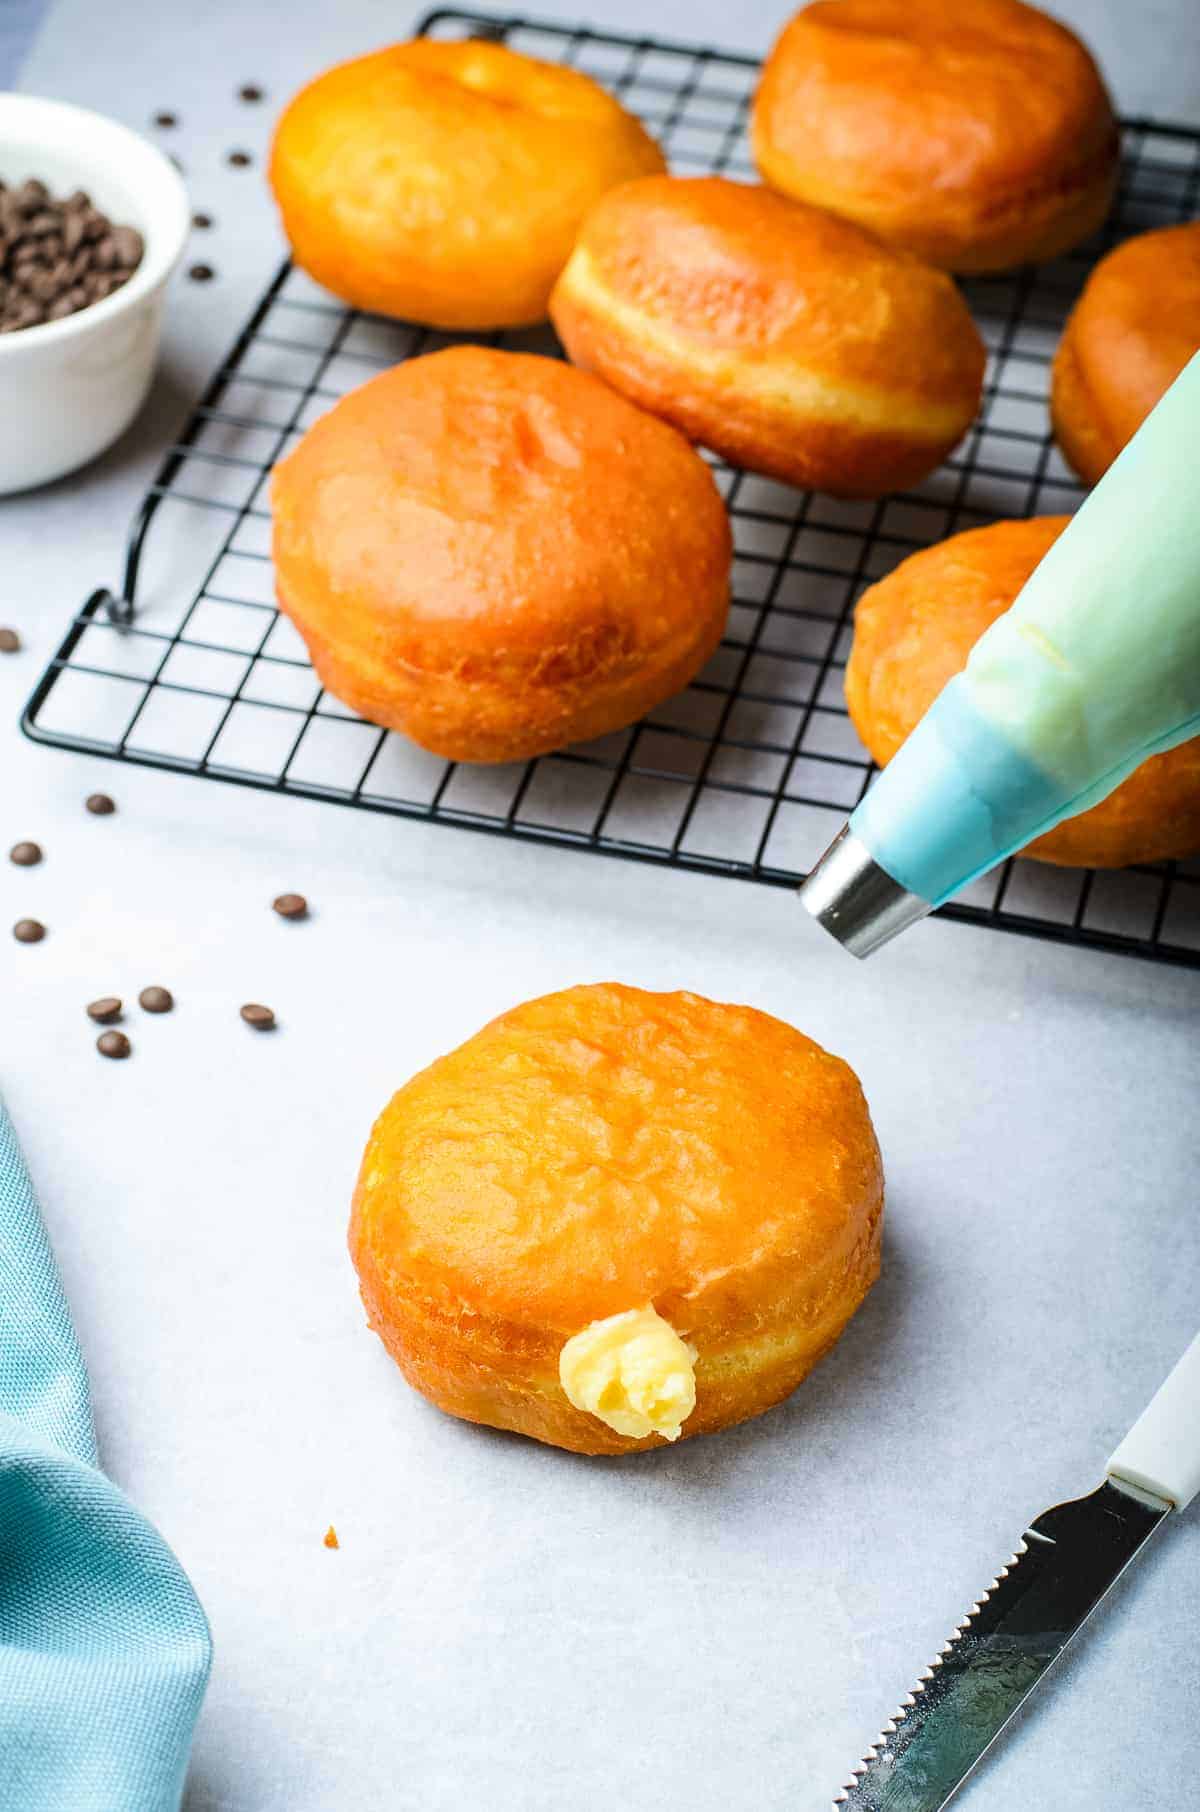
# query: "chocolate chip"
{"type": "Point", "coordinates": [30, 196]}
{"type": "Point", "coordinates": [203, 221]}
{"type": "Point", "coordinates": [57, 255]}
{"type": "Point", "coordinates": [166, 120]}
{"type": "Point", "coordinates": [291, 906]}
{"type": "Point", "coordinates": [261, 1018]}
{"type": "Point", "coordinates": [201, 273]}
{"type": "Point", "coordinates": [25, 855]}
{"type": "Point", "coordinates": [44, 287]}
{"type": "Point", "coordinates": [100, 805]}
{"type": "Point", "coordinates": [156, 1000]}
{"type": "Point", "coordinates": [104, 1010]}
{"type": "Point", "coordinates": [129, 247]}
{"type": "Point", "coordinates": [240, 160]}
{"type": "Point", "coordinates": [10, 641]}
{"type": "Point", "coordinates": [250, 91]}
{"type": "Point", "coordinates": [32, 931]}
{"type": "Point", "coordinates": [113, 1044]}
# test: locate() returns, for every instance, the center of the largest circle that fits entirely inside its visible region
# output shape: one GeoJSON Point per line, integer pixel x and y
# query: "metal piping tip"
{"type": "Point", "coordinates": [856, 900]}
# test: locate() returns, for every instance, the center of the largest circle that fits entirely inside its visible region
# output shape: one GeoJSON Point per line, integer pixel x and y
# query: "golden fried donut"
{"type": "Point", "coordinates": [499, 555]}
{"type": "Point", "coordinates": [913, 632]}
{"type": "Point", "coordinates": [1127, 339]}
{"type": "Point", "coordinates": [445, 182]}
{"type": "Point", "coordinates": [976, 133]}
{"type": "Point", "coordinates": [791, 342]}
{"type": "Point", "coordinates": [613, 1217]}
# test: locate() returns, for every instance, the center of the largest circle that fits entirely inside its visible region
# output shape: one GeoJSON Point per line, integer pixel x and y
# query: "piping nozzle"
{"type": "Point", "coordinates": [856, 900]}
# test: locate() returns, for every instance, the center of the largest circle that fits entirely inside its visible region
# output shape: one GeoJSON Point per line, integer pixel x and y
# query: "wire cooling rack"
{"type": "Point", "coordinates": [750, 772]}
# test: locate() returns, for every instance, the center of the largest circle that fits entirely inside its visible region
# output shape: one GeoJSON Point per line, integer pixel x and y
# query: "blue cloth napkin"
{"type": "Point", "coordinates": [104, 1649]}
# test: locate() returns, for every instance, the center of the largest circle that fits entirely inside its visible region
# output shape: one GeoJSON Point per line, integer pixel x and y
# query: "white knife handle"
{"type": "Point", "coordinates": [1161, 1452]}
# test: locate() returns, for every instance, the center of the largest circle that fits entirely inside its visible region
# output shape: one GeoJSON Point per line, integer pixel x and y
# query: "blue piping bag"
{"type": "Point", "coordinates": [1093, 668]}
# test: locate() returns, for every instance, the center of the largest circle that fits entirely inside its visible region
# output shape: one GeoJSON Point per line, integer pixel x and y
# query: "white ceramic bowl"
{"type": "Point", "coordinates": [68, 388]}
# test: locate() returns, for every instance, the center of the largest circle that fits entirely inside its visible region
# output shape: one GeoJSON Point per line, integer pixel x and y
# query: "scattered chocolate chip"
{"type": "Point", "coordinates": [32, 931]}
{"type": "Point", "coordinates": [261, 1018]}
{"type": "Point", "coordinates": [113, 1044]}
{"type": "Point", "coordinates": [10, 641]}
{"type": "Point", "coordinates": [156, 1000]}
{"type": "Point", "coordinates": [166, 120]}
{"type": "Point", "coordinates": [240, 160]}
{"type": "Point", "coordinates": [291, 906]}
{"type": "Point", "coordinates": [203, 221]}
{"type": "Point", "coordinates": [201, 273]}
{"type": "Point", "coordinates": [104, 1010]}
{"type": "Point", "coordinates": [100, 805]}
{"type": "Point", "coordinates": [250, 91]}
{"type": "Point", "coordinates": [25, 855]}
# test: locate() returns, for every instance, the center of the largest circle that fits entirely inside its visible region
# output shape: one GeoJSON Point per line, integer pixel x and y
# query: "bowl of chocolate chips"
{"type": "Point", "coordinates": [93, 220]}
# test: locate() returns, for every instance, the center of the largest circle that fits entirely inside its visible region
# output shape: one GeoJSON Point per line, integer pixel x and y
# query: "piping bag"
{"type": "Point", "coordinates": [1093, 668]}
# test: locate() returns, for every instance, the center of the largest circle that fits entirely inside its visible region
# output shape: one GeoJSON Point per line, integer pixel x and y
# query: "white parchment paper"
{"type": "Point", "coordinates": [720, 1626]}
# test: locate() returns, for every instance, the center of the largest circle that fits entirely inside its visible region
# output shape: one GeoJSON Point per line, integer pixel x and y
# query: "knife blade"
{"type": "Point", "coordinates": [1069, 1558]}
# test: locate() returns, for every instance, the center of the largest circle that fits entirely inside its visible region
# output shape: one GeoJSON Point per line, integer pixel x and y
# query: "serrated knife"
{"type": "Point", "coordinates": [1067, 1560]}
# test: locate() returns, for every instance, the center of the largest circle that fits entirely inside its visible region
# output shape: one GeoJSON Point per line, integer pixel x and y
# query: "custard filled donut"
{"type": "Point", "coordinates": [1128, 337]}
{"type": "Point", "coordinates": [499, 555]}
{"type": "Point", "coordinates": [613, 1218]}
{"type": "Point", "coordinates": [913, 632]}
{"type": "Point", "coordinates": [791, 342]}
{"type": "Point", "coordinates": [445, 182]}
{"type": "Point", "coordinates": [976, 133]}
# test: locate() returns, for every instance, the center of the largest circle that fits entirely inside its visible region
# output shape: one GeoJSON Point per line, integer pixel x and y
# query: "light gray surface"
{"type": "Point", "coordinates": [720, 1626]}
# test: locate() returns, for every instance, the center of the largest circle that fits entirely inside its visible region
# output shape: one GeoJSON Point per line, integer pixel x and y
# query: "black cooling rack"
{"type": "Point", "coordinates": [749, 773]}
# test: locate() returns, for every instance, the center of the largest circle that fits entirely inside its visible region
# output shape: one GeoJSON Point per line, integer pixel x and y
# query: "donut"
{"type": "Point", "coordinates": [1127, 339]}
{"type": "Point", "coordinates": [614, 1218]}
{"type": "Point", "coordinates": [498, 555]}
{"type": "Point", "coordinates": [977, 134]}
{"type": "Point", "coordinates": [913, 631]}
{"type": "Point", "coordinates": [789, 341]}
{"type": "Point", "coordinates": [445, 182]}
